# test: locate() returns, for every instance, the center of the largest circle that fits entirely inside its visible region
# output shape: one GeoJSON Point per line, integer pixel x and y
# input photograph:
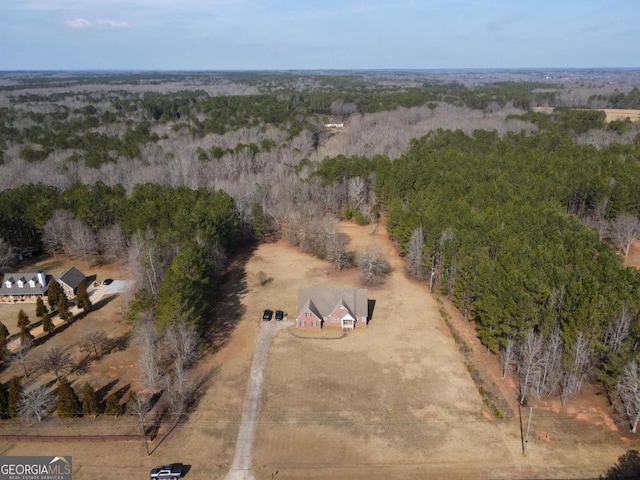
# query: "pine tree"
{"type": "Point", "coordinates": [23, 324]}
{"type": "Point", "coordinates": [53, 294]}
{"type": "Point", "coordinates": [41, 309]}
{"type": "Point", "coordinates": [13, 403]}
{"type": "Point", "coordinates": [68, 404]}
{"type": "Point", "coordinates": [82, 298]}
{"type": "Point", "coordinates": [26, 337]}
{"type": "Point", "coordinates": [3, 348]}
{"type": "Point", "coordinates": [4, 334]}
{"type": "Point", "coordinates": [4, 331]}
{"type": "Point", "coordinates": [89, 400]}
{"type": "Point", "coordinates": [259, 221]}
{"type": "Point", "coordinates": [113, 406]}
{"type": "Point", "coordinates": [47, 324]}
{"type": "Point", "coordinates": [132, 403]}
{"type": "Point", "coordinates": [23, 319]}
{"type": "Point", "coordinates": [4, 401]}
{"type": "Point", "coordinates": [63, 308]}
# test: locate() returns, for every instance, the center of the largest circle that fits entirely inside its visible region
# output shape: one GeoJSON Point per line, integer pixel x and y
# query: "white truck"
{"type": "Point", "coordinates": [166, 472]}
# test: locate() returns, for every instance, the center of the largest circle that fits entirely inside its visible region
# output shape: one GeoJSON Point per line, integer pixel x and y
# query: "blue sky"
{"type": "Point", "coordinates": [329, 34]}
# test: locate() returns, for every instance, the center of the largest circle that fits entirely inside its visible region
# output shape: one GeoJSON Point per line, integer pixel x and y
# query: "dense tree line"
{"type": "Point", "coordinates": [500, 237]}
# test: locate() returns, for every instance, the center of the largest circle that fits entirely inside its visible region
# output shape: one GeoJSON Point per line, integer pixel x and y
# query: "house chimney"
{"type": "Point", "coordinates": [42, 278]}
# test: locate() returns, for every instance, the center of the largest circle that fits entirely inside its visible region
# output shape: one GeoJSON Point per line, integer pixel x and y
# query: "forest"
{"type": "Point", "coordinates": [522, 219]}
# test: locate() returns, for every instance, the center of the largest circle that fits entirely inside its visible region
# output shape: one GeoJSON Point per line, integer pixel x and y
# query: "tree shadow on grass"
{"type": "Point", "coordinates": [122, 391]}
{"type": "Point", "coordinates": [226, 308]}
{"type": "Point", "coordinates": [117, 344]}
{"type": "Point", "coordinates": [198, 391]}
{"type": "Point", "coordinates": [103, 302]}
{"type": "Point", "coordinates": [102, 392]}
{"type": "Point", "coordinates": [83, 365]}
{"type": "Point", "coordinates": [628, 466]}
{"type": "Point", "coordinates": [200, 387]}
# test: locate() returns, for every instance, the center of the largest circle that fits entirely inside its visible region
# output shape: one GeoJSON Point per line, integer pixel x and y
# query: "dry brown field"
{"type": "Point", "coordinates": [612, 113]}
{"type": "Point", "coordinates": [394, 400]}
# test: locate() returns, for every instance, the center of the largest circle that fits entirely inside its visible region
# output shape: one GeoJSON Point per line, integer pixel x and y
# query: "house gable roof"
{"type": "Point", "coordinates": [26, 279]}
{"type": "Point", "coordinates": [72, 277]}
{"type": "Point", "coordinates": [328, 300]}
{"type": "Point", "coordinates": [311, 307]}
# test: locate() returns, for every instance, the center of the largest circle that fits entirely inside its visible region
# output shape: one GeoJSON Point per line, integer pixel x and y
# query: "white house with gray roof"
{"type": "Point", "coordinates": [24, 287]}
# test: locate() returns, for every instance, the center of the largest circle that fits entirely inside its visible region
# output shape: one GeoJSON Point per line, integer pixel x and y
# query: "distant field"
{"type": "Point", "coordinates": [612, 113]}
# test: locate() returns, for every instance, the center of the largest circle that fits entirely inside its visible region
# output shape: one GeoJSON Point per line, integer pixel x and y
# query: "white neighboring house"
{"type": "Point", "coordinates": [24, 287]}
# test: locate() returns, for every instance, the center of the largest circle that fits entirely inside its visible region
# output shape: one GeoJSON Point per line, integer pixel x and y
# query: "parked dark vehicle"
{"type": "Point", "coordinates": [279, 315]}
{"type": "Point", "coordinates": [167, 472]}
{"type": "Point", "coordinates": [107, 281]}
{"type": "Point", "coordinates": [267, 315]}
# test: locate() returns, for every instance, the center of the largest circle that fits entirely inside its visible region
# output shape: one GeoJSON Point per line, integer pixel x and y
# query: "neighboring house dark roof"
{"type": "Point", "coordinates": [72, 277]}
{"type": "Point", "coordinates": [30, 283]}
{"type": "Point", "coordinates": [324, 301]}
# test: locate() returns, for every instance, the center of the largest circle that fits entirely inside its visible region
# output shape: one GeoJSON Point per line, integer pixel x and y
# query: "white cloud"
{"type": "Point", "coordinates": [102, 24]}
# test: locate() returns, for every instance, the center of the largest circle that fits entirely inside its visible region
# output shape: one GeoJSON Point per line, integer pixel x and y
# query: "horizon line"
{"type": "Point", "coordinates": [258, 70]}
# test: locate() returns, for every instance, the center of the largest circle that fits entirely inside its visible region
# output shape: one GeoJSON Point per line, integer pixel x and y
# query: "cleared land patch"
{"type": "Point", "coordinates": [612, 113]}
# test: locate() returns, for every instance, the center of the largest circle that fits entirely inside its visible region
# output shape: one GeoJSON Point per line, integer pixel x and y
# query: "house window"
{"type": "Point", "coordinates": [334, 320]}
{"type": "Point", "coordinates": [314, 324]}
{"type": "Point", "coordinates": [303, 323]}
{"type": "Point", "coordinates": [307, 313]}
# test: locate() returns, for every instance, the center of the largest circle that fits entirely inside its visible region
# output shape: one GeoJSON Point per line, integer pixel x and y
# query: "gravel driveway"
{"type": "Point", "coordinates": [241, 466]}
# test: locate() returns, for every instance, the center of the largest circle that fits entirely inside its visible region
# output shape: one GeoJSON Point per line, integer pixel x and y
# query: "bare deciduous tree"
{"type": "Point", "coordinates": [618, 331]}
{"type": "Point", "coordinates": [94, 342]}
{"type": "Point", "coordinates": [147, 339]}
{"type": "Point", "coordinates": [7, 254]}
{"type": "Point", "coordinates": [628, 390]}
{"type": "Point", "coordinates": [415, 266]}
{"type": "Point", "coordinates": [57, 360]}
{"type": "Point", "coordinates": [507, 356]}
{"type": "Point", "coordinates": [139, 407]}
{"type": "Point", "coordinates": [357, 192]}
{"type": "Point", "coordinates": [597, 220]}
{"type": "Point", "coordinates": [529, 358]}
{"type": "Point", "coordinates": [113, 242]}
{"type": "Point", "coordinates": [57, 231]}
{"type": "Point", "coordinates": [81, 242]}
{"type": "Point", "coordinates": [178, 390]}
{"type": "Point", "coordinates": [337, 252]}
{"type": "Point", "coordinates": [373, 267]}
{"type": "Point", "coordinates": [21, 354]}
{"type": "Point", "coordinates": [550, 365]}
{"type": "Point", "coordinates": [35, 402]}
{"type": "Point", "coordinates": [148, 262]}
{"type": "Point", "coordinates": [343, 109]}
{"type": "Point", "coordinates": [578, 369]}
{"type": "Point", "coordinates": [183, 341]}
{"type": "Point", "coordinates": [625, 230]}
